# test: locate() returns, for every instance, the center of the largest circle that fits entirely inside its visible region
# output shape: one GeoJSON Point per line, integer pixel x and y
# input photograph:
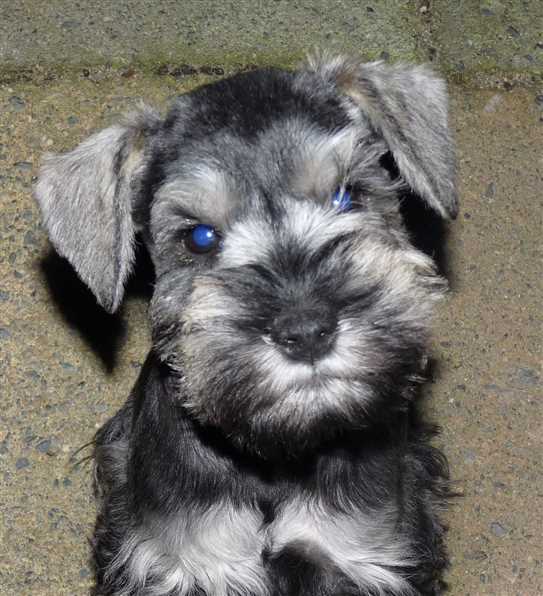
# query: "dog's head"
{"type": "Point", "coordinates": [287, 291]}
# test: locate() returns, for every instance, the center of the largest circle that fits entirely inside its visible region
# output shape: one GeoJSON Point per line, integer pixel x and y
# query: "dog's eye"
{"type": "Point", "coordinates": [202, 239]}
{"type": "Point", "coordinates": [341, 199]}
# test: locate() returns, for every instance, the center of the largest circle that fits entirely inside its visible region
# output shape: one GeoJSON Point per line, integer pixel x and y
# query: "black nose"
{"type": "Point", "coordinates": [305, 335]}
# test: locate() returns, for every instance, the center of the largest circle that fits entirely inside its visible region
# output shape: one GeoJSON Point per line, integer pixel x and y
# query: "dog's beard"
{"type": "Point", "coordinates": [265, 402]}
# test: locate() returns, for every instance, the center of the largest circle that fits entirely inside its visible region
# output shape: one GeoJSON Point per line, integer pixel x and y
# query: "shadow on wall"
{"type": "Point", "coordinates": [427, 230]}
{"type": "Point", "coordinates": [103, 332]}
{"type": "Point", "coordinates": [429, 233]}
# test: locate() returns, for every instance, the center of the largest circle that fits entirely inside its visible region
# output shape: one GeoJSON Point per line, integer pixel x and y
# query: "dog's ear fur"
{"type": "Point", "coordinates": [407, 106]}
{"type": "Point", "coordinates": [85, 197]}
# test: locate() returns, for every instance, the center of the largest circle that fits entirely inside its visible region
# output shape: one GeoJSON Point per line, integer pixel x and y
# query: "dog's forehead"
{"type": "Point", "coordinates": [246, 140]}
{"type": "Point", "coordinates": [248, 103]}
{"type": "Point", "coordinates": [293, 159]}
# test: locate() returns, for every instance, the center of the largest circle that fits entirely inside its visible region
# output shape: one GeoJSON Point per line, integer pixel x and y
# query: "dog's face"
{"type": "Point", "coordinates": [287, 292]}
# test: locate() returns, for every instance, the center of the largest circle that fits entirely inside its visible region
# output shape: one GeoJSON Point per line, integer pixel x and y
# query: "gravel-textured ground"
{"type": "Point", "coordinates": [66, 366]}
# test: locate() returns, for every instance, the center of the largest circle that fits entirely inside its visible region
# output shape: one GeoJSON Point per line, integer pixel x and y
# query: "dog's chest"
{"type": "Point", "coordinates": [226, 551]}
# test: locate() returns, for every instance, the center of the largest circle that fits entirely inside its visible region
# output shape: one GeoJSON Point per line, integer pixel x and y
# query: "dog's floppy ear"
{"type": "Point", "coordinates": [407, 105]}
{"type": "Point", "coordinates": [85, 197]}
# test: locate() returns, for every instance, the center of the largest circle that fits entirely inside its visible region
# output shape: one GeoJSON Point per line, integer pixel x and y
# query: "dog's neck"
{"type": "Point", "coordinates": [202, 463]}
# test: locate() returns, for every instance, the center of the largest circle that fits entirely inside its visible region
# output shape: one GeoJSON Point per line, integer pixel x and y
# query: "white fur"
{"type": "Point", "coordinates": [315, 226]}
{"type": "Point", "coordinates": [328, 384]}
{"type": "Point", "coordinates": [220, 549]}
{"type": "Point", "coordinates": [365, 546]}
{"type": "Point", "coordinates": [251, 241]}
{"type": "Point", "coordinates": [246, 243]}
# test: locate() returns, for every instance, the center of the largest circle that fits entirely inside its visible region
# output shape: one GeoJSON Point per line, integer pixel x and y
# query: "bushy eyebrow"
{"type": "Point", "coordinates": [205, 195]}
{"type": "Point", "coordinates": [323, 162]}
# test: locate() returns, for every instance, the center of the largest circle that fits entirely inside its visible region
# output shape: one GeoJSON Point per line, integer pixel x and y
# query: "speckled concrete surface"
{"type": "Point", "coordinates": [63, 33]}
{"type": "Point", "coordinates": [66, 366]}
{"type": "Point", "coordinates": [502, 35]}
{"type": "Point", "coordinates": [472, 41]}
{"type": "Point", "coordinates": [489, 338]}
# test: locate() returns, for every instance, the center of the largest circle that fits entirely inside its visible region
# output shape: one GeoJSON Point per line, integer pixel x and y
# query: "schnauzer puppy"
{"type": "Point", "coordinates": [267, 448]}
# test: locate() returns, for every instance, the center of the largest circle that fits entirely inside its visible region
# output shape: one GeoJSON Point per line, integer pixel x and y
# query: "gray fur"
{"type": "Point", "coordinates": [86, 201]}
{"type": "Point", "coordinates": [200, 479]}
{"type": "Point", "coordinates": [408, 106]}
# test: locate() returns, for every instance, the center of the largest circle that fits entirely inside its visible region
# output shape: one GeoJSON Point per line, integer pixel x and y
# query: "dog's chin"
{"type": "Point", "coordinates": [305, 417]}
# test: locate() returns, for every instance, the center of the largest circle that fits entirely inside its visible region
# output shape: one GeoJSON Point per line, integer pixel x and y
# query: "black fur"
{"type": "Point", "coordinates": [235, 469]}
{"type": "Point", "coordinates": [152, 458]}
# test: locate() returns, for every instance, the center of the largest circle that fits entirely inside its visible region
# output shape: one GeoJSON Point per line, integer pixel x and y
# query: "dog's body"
{"type": "Point", "coordinates": [184, 514]}
{"type": "Point", "coordinates": [267, 448]}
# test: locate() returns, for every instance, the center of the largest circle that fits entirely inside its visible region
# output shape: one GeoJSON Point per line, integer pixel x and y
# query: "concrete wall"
{"type": "Point", "coordinates": [472, 41]}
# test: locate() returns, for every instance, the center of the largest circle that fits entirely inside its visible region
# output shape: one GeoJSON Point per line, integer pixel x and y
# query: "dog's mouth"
{"type": "Point", "coordinates": [334, 373]}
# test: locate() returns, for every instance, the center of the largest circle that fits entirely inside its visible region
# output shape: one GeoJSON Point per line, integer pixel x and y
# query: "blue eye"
{"type": "Point", "coordinates": [341, 199]}
{"type": "Point", "coordinates": [202, 239]}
